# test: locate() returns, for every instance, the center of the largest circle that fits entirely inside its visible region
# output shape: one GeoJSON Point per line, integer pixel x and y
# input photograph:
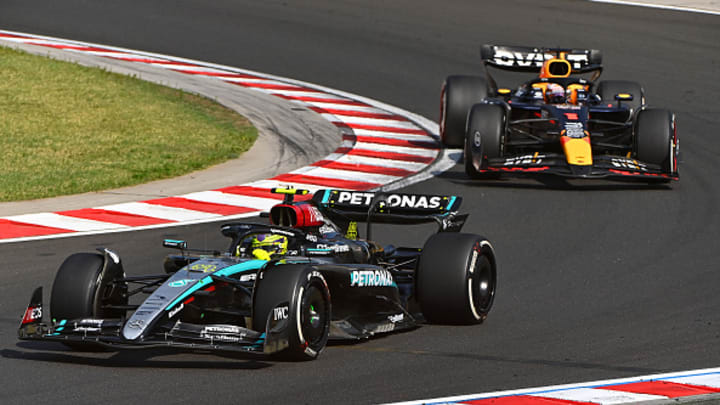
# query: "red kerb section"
{"type": "Point", "coordinates": [392, 171]}
{"type": "Point", "coordinates": [665, 388]}
{"type": "Point", "coordinates": [406, 157]}
{"type": "Point", "coordinates": [523, 400]}
{"type": "Point", "coordinates": [11, 229]}
{"type": "Point", "coordinates": [114, 217]}
{"type": "Point", "coordinates": [397, 142]}
{"type": "Point", "coordinates": [213, 208]}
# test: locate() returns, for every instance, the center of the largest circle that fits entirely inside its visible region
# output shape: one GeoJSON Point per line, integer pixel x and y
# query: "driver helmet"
{"type": "Point", "coordinates": [272, 243]}
{"type": "Point", "coordinates": [555, 93]}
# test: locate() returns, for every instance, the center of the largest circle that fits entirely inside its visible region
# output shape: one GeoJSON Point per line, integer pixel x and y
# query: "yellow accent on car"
{"type": "Point", "coordinates": [503, 91]}
{"type": "Point", "coordinates": [352, 231]}
{"type": "Point", "coordinates": [283, 190]}
{"type": "Point", "coordinates": [578, 151]}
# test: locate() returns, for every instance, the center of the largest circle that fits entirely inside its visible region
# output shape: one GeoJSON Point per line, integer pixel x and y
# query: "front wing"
{"type": "Point", "coordinates": [180, 335]}
{"type": "Point", "coordinates": [604, 166]}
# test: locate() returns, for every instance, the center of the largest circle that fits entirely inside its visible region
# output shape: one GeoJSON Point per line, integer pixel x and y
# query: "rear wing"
{"type": "Point", "coordinates": [394, 208]}
{"type": "Point", "coordinates": [530, 59]}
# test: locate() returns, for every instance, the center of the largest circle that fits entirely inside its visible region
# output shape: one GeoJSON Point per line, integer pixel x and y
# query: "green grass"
{"type": "Point", "coordinates": [68, 129]}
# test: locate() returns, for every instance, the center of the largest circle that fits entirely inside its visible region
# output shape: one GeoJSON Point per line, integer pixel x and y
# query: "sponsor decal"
{"type": "Point", "coordinates": [504, 57]}
{"type": "Point", "coordinates": [222, 329]}
{"type": "Point", "coordinates": [317, 274]}
{"type": "Point", "coordinates": [94, 322]}
{"type": "Point", "coordinates": [391, 200]}
{"type": "Point", "coordinates": [32, 314]}
{"type": "Point", "coordinates": [388, 327]}
{"type": "Point", "coordinates": [136, 324]}
{"type": "Point", "coordinates": [477, 139]}
{"type": "Point", "coordinates": [204, 267]}
{"type": "Point", "coordinates": [396, 318]}
{"type": "Point", "coordinates": [180, 283]}
{"type": "Point", "coordinates": [280, 313]}
{"type": "Point", "coordinates": [534, 159]}
{"type": "Point", "coordinates": [250, 277]}
{"type": "Point", "coordinates": [281, 232]}
{"type": "Point", "coordinates": [86, 329]}
{"type": "Point", "coordinates": [571, 116]}
{"type": "Point", "coordinates": [625, 163]}
{"type": "Point", "coordinates": [371, 278]}
{"type": "Point", "coordinates": [223, 333]}
{"type": "Point", "coordinates": [311, 238]}
{"type": "Point", "coordinates": [574, 129]}
{"type": "Point", "coordinates": [473, 260]}
{"type": "Point", "coordinates": [334, 248]}
{"type": "Point", "coordinates": [175, 310]}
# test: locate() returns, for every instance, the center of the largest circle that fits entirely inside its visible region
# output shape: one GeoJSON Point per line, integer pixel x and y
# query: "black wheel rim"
{"type": "Point", "coordinates": [314, 317]}
{"type": "Point", "coordinates": [483, 286]}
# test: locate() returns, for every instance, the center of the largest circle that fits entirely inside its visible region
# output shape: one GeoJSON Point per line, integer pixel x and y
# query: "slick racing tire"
{"type": "Point", "coordinates": [83, 285]}
{"type": "Point", "coordinates": [484, 137]}
{"type": "Point", "coordinates": [458, 94]}
{"type": "Point", "coordinates": [655, 138]}
{"type": "Point", "coordinates": [456, 278]}
{"type": "Point", "coordinates": [301, 292]}
{"type": "Point", "coordinates": [608, 89]}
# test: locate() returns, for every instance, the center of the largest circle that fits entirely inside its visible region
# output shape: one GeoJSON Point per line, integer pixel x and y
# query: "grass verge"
{"type": "Point", "coordinates": [68, 129]}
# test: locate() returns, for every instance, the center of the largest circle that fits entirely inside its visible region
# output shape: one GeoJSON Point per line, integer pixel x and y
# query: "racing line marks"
{"type": "Point", "coordinates": [379, 147]}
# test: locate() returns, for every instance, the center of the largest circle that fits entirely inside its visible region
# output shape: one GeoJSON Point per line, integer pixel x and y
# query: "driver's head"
{"type": "Point", "coordinates": [273, 244]}
{"type": "Point", "coordinates": [555, 93]}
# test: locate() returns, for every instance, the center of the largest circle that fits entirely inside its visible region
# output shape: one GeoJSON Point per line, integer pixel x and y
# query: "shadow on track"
{"type": "Point", "coordinates": [550, 182]}
{"type": "Point", "coordinates": [56, 353]}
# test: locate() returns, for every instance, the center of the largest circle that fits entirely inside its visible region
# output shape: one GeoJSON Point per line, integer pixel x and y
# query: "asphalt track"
{"type": "Point", "coordinates": [597, 280]}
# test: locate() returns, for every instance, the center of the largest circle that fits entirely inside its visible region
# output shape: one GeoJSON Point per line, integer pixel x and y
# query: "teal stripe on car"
{"type": "Point", "coordinates": [227, 271]}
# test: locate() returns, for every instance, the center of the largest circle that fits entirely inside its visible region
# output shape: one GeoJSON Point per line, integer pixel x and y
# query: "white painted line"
{"type": "Point", "coordinates": [237, 200]}
{"type": "Point", "coordinates": [393, 135]}
{"type": "Point", "coordinates": [672, 7]}
{"type": "Point", "coordinates": [160, 211]}
{"type": "Point", "coordinates": [64, 222]}
{"type": "Point", "coordinates": [350, 175]}
{"type": "Point", "coordinates": [364, 160]}
{"type": "Point", "coordinates": [378, 147]}
{"type": "Point", "coordinates": [346, 119]}
{"type": "Point", "coordinates": [343, 107]}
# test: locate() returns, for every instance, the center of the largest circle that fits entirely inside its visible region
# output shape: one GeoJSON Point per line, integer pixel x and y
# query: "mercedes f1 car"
{"type": "Point", "coordinates": [282, 288]}
{"type": "Point", "coordinates": [561, 122]}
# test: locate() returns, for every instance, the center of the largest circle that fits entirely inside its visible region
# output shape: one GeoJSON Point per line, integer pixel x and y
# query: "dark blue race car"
{"type": "Point", "coordinates": [561, 122]}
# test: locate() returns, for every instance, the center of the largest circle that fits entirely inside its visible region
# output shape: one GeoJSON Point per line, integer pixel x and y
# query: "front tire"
{"type": "Point", "coordinates": [308, 300]}
{"type": "Point", "coordinates": [456, 278]}
{"type": "Point", "coordinates": [458, 94]}
{"type": "Point", "coordinates": [655, 138]}
{"type": "Point", "coordinates": [484, 137]}
{"type": "Point", "coordinates": [83, 285]}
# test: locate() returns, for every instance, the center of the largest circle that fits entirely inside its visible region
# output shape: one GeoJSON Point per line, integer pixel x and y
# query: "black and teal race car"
{"type": "Point", "coordinates": [316, 280]}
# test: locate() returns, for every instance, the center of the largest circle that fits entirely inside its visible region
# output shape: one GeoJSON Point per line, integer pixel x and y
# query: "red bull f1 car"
{"type": "Point", "coordinates": [283, 288]}
{"type": "Point", "coordinates": [562, 122]}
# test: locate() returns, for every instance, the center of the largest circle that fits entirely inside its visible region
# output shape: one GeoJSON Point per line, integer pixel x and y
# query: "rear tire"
{"type": "Point", "coordinates": [655, 138]}
{"type": "Point", "coordinates": [456, 278]}
{"type": "Point", "coordinates": [483, 139]}
{"type": "Point", "coordinates": [309, 307]}
{"type": "Point", "coordinates": [608, 89]}
{"type": "Point", "coordinates": [83, 284]}
{"type": "Point", "coordinates": [458, 94]}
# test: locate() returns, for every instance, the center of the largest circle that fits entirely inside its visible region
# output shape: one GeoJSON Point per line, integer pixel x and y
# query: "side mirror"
{"type": "Point", "coordinates": [175, 244]}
